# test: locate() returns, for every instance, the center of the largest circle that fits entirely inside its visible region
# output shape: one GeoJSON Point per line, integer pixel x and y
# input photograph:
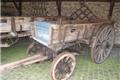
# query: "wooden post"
{"type": "Point", "coordinates": [112, 4]}
{"type": "Point", "coordinates": [58, 3]}
{"type": "Point", "coordinates": [13, 26]}
{"type": "Point", "coordinates": [18, 7]}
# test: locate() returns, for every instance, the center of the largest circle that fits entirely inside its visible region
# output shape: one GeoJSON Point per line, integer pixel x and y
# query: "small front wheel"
{"type": "Point", "coordinates": [63, 66]}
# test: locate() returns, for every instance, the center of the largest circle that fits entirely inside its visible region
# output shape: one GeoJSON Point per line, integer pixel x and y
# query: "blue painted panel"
{"type": "Point", "coordinates": [42, 31]}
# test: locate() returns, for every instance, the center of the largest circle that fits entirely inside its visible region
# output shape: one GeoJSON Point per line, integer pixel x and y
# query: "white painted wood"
{"type": "Point", "coordinates": [21, 23]}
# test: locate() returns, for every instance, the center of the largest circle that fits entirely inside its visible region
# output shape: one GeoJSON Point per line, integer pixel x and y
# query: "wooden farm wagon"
{"type": "Point", "coordinates": [58, 37]}
{"type": "Point", "coordinates": [11, 28]}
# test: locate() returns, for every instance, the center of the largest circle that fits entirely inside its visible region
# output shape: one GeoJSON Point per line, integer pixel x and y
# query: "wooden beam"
{"type": "Point", "coordinates": [23, 62]}
{"type": "Point", "coordinates": [15, 4]}
{"type": "Point", "coordinates": [112, 4]}
{"type": "Point", "coordinates": [18, 6]}
{"type": "Point", "coordinates": [60, 0]}
{"type": "Point", "coordinates": [58, 3]}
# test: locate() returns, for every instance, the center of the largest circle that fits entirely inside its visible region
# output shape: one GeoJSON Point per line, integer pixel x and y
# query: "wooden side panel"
{"type": "Point", "coordinates": [22, 23]}
{"type": "Point", "coordinates": [59, 33]}
{"type": "Point", "coordinates": [5, 24]}
{"type": "Point", "coordinates": [42, 32]}
{"type": "Point", "coordinates": [68, 33]}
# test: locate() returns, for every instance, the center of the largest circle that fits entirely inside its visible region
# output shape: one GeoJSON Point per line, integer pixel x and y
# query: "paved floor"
{"type": "Point", "coordinates": [85, 68]}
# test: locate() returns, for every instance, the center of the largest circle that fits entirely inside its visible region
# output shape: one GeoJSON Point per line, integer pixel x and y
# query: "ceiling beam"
{"type": "Point", "coordinates": [60, 0]}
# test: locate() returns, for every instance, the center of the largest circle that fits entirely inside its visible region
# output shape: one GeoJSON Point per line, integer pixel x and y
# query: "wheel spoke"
{"type": "Point", "coordinates": [110, 38]}
{"type": "Point", "coordinates": [103, 33]}
{"type": "Point", "coordinates": [97, 49]}
{"type": "Point", "coordinates": [105, 53]}
{"type": "Point", "coordinates": [108, 35]}
{"type": "Point", "coordinates": [99, 55]}
{"type": "Point", "coordinates": [57, 73]}
{"type": "Point", "coordinates": [67, 59]}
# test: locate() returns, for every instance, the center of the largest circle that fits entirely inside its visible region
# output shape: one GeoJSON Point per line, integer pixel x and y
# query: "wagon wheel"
{"type": "Point", "coordinates": [33, 48]}
{"type": "Point", "coordinates": [63, 66]}
{"type": "Point", "coordinates": [103, 43]}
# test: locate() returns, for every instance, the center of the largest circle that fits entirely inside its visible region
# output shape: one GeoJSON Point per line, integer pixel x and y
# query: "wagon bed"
{"type": "Point", "coordinates": [50, 31]}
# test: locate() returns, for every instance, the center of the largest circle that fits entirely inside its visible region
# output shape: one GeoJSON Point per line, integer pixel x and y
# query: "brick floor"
{"type": "Point", "coordinates": [85, 69]}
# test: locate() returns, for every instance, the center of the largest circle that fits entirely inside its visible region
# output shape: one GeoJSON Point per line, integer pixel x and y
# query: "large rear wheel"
{"type": "Point", "coordinates": [103, 43]}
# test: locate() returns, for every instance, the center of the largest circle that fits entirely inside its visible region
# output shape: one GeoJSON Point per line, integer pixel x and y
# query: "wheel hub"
{"type": "Point", "coordinates": [104, 44]}
{"type": "Point", "coordinates": [64, 67]}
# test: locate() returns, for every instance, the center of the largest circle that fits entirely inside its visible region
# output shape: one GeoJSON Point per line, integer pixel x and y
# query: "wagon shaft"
{"type": "Point", "coordinates": [23, 62]}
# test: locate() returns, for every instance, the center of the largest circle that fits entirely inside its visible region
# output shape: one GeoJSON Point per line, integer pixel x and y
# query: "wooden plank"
{"type": "Point", "coordinates": [61, 0]}
{"type": "Point", "coordinates": [112, 4]}
{"type": "Point", "coordinates": [51, 30]}
{"type": "Point", "coordinates": [82, 29]}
